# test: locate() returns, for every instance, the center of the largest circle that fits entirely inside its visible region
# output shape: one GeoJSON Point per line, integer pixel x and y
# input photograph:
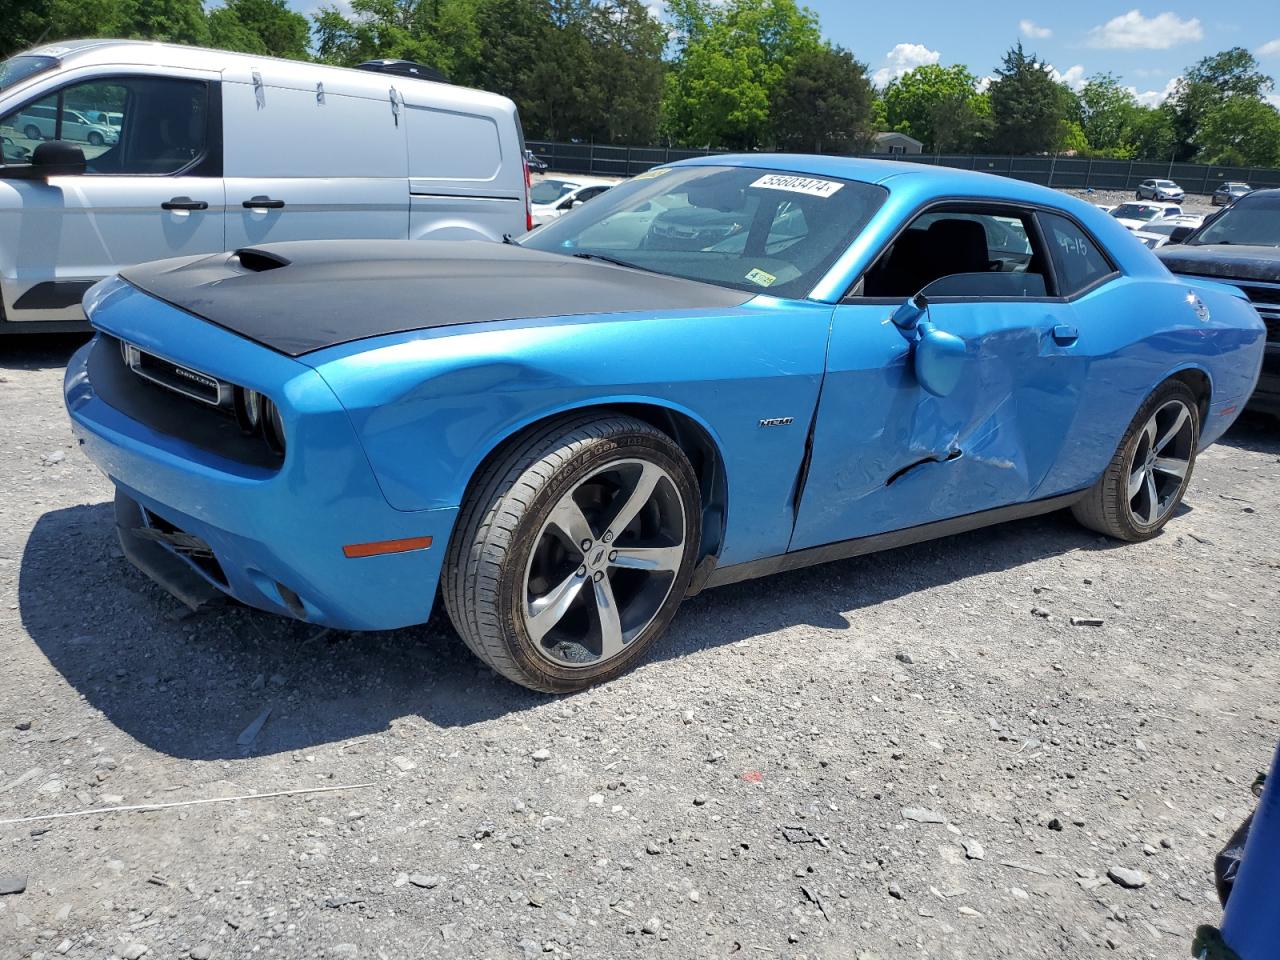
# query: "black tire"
{"type": "Point", "coordinates": [32, 132]}
{"type": "Point", "coordinates": [484, 577]}
{"type": "Point", "coordinates": [95, 139]}
{"type": "Point", "coordinates": [1107, 508]}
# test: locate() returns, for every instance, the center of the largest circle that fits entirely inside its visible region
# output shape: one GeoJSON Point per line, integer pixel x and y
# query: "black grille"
{"type": "Point", "coordinates": [175, 414]}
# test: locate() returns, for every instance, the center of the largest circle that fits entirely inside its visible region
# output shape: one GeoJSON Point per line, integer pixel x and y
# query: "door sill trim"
{"type": "Point", "coordinates": [844, 549]}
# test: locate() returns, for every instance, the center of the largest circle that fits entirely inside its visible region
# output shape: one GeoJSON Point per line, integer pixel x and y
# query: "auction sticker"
{"type": "Point", "coordinates": [759, 276]}
{"type": "Point", "coordinates": [809, 185]}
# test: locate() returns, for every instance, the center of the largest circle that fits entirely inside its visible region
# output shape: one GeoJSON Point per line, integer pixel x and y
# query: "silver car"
{"type": "Point", "coordinates": [1160, 190]}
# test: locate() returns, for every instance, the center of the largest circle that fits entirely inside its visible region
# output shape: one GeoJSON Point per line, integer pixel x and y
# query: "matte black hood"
{"type": "Point", "coordinates": [1225, 260]}
{"type": "Point", "coordinates": [307, 295]}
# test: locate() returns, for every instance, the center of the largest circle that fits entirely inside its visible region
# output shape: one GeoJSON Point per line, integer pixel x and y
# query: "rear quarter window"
{"type": "Point", "coordinates": [1078, 261]}
{"type": "Point", "coordinates": [452, 146]}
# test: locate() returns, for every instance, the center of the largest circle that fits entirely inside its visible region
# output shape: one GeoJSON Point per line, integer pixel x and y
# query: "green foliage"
{"type": "Point", "coordinates": [823, 103]}
{"type": "Point", "coordinates": [733, 58]}
{"type": "Point", "coordinates": [940, 107]}
{"type": "Point", "coordinates": [1028, 106]}
{"type": "Point", "coordinates": [173, 21]}
{"type": "Point", "coordinates": [260, 26]}
{"type": "Point", "coordinates": [1242, 131]}
{"type": "Point", "coordinates": [1206, 88]}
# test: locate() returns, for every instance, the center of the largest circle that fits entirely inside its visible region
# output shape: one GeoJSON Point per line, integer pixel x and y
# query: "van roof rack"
{"type": "Point", "coordinates": [404, 68]}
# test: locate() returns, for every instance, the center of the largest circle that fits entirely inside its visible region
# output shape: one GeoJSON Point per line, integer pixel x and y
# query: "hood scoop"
{"type": "Point", "coordinates": [259, 261]}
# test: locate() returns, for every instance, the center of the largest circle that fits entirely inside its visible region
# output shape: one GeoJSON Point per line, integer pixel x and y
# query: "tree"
{"type": "Point", "coordinates": [940, 107]}
{"type": "Point", "coordinates": [1205, 87]}
{"type": "Point", "coordinates": [26, 23]}
{"type": "Point", "coordinates": [732, 58]}
{"type": "Point", "coordinates": [260, 26]}
{"type": "Point", "coordinates": [1241, 131]}
{"type": "Point", "coordinates": [627, 44]}
{"type": "Point", "coordinates": [172, 21]}
{"type": "Point", "coordinates": [823, 103]}
{"type": "Point", "coordinates": [1107, 115]}
{"type": "Point", "coordinates": [1028, 106]}
{"type": "Point", "coordinates": [418, 30]}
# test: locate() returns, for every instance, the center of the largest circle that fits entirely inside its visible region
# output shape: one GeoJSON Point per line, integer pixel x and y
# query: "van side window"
{"type": "Point", "coordinates": [1079, 262]}
{"type": "Point", "coordinates": [135, 126]}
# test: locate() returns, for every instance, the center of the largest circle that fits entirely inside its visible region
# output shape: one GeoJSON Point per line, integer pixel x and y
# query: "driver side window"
{"type": "Point", "coordinates": [990, 253]}
{"type": "Point", "coordinates": [142, 125]}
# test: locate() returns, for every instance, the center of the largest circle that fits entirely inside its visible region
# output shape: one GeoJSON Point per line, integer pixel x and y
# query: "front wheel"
{"type": "Point", "coordinates": [1147, 477]}
{"type": "Point", "coordinates": [95, 139]}
{"type": "Point", "coordinates": [573, 551]}
{"type": "Point", "coordinates": [32, 132]}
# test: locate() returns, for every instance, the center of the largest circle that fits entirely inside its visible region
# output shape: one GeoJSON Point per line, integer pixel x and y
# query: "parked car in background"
{"type": "Point", "coordinates": [555, 197]}
{"type": "Point", "coordinates": [567, 435]}
{"type": "Point", "coordinates": [42, 121]}
{"type": "Point", "coordinates": [1160, 190]}
{"type": "Point", "coordinates": [1229, 192]}
{"type": "Point", "coordinates": [1135, 215]}
{"type": "Point", "coordinates": [1156, 233]}
{"type": "Point", "coordinates": [217, 151]}
{"type": "Point", "coordinates": [12, 152]}
{"type": "Point", "coordinates": [536, 163]}
{"type": "Point", "coordinates": [1241, 246]}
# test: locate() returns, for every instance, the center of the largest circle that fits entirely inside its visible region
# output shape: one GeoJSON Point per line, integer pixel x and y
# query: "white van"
{"type": "Point", "coordinates": [119, 152]}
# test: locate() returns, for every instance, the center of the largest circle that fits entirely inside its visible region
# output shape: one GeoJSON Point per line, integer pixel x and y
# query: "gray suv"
{"type": "Point", "coordinates": [1160, 190]}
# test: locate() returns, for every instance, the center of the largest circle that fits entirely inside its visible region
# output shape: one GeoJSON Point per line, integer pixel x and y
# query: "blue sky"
{"type": "Point", "coordinates": [1147, 47]}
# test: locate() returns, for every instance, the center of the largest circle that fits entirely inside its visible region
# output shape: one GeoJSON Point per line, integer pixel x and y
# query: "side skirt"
{"type": "Point", "coordinates": [845, 549]}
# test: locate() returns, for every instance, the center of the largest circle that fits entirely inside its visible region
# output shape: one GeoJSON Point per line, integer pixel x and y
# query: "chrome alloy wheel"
{"type": "Point", "coordinates": [1161, 459]}
{"type": "Point", "coordinates": [603, 563]}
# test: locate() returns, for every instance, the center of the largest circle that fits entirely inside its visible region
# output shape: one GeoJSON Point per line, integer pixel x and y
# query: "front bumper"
{"type": "Point", "coordinates": [272, 539]}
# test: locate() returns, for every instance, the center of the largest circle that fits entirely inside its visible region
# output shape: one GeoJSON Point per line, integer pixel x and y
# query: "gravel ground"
{"type": "Point", "coordinates": [915, 754]}
{"type": "Point", "coordinates": [1193, 204]}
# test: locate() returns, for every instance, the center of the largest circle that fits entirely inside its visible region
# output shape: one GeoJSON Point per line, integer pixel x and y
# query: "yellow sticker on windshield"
{"type": "Point", "coordinates": [650, 174]}
{"type": "Point", "coordinates": [759, 276]}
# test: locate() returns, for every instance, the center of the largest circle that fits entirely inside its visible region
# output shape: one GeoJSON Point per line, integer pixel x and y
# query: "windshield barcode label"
{"type": "Point", "coordinates": [814, 188]}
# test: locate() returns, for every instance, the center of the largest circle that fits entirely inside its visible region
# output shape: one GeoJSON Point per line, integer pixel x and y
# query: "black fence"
{"type": "Point", "coordinates": [1072, 172]}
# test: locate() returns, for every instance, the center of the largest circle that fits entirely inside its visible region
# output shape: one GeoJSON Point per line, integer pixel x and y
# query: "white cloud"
{"type": "Point", "coordinates": [1133, 31]}
{"type": "Point", "coordinates": [1073, 77]}
{"type": "Point", "coordinates": [1270, 49]}
{"type": "Point", "coordinates": [1153, 98]}
{"type": "Point", "coordinates": [1029, 28]}
{"type": "Point", "coordinates": [983, 83]}
{"type": "Point", "coordinates": [903, 58]}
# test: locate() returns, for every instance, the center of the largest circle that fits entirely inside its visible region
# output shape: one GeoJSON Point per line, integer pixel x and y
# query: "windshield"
{"type": "Point", "coordinates": [16, 69]}
{"type": "Point", "coordinates": [549, 191]}
{"type": "Point", "coordinates": [747, 228]}
{"type": "Point", "coordinates": [1252, 219]}
{"type": "Point", "coordinates": [1135, 211]}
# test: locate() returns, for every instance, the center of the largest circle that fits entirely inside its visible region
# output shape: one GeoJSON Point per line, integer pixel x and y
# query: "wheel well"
{"type": "Point", "coordinates": [1199, 383]}
{"type": "Point", "coordinates": [689, 436]}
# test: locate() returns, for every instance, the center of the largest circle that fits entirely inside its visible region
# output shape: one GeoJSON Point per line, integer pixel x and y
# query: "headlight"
{"type": "Point", "coordinates": [273, 426]}
{"type": "Point", "coordinates": [256, 414]}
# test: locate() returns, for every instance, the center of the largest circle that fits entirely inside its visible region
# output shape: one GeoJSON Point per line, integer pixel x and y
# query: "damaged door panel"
{"type": "Point", "coordinates": [888, 454]}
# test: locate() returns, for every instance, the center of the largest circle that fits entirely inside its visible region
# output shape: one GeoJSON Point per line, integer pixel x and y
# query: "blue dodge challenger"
{"type": "Point", "coordinates": [720, 369]}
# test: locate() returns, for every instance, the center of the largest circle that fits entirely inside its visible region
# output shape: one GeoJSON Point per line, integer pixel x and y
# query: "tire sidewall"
{"type": "Point", "coordinates": [511, 591]}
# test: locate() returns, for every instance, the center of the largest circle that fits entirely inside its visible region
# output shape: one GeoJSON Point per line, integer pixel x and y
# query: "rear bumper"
{"type": "Point", "coordinates": [274, 539]}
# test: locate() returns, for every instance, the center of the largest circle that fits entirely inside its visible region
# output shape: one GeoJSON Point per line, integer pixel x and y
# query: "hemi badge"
{"type": "Point", "coordinates": [777, 421]}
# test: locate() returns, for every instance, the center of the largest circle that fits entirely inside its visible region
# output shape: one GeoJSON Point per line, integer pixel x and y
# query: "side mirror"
{"type": "Point", "coordinates": [57, 158]}
{"type": "Point", "coordinates": [1180, 234]}
{"type": "Point", "coordinates": [939, 359]}
{"type": "Point", "coordinates": [907, 316]}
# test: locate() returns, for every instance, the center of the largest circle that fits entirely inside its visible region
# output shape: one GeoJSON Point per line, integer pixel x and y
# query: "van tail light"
{"type": "Point", "coordinates": [528, 186]}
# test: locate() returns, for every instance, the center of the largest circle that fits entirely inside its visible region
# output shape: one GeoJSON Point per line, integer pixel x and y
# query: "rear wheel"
{"type": "Point", "coordinates": [1147, 477]}
{"type": "Point", "coordinates": [573, 552]}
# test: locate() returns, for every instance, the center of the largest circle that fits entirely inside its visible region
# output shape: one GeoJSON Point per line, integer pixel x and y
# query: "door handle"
{"type": "Point", "coordinates": [1065, 334]}
{"type": "Point", "coordinates": [262, 203]}
{"type": "Point", "coordinates": [184, 203]}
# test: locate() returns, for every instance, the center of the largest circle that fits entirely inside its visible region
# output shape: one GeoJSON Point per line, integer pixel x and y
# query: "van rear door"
{"type": "Point", "coordinates": [311, 164]}
{"type": "Point", "coordinates": [466, 173]}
